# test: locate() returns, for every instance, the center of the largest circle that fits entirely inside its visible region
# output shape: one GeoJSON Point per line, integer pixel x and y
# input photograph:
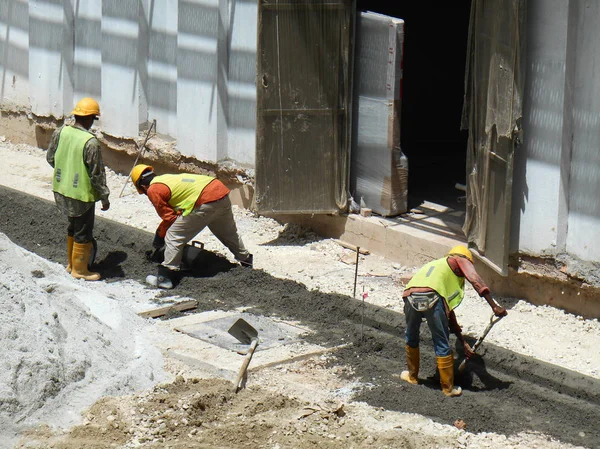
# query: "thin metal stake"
{"type": "Point", "coordinates": [362, 318]}
{"type": "Point", "coordinates": [356, 271]}
{"type": "Point", "coordinates": [140, 152]}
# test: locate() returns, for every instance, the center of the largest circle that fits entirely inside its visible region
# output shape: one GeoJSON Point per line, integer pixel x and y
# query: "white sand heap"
{"type": "Point", "coordinates": [63, 345]}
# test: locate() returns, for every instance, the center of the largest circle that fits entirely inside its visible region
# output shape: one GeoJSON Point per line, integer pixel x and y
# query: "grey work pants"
{"type": "Point", "coordinates": [219, 219]}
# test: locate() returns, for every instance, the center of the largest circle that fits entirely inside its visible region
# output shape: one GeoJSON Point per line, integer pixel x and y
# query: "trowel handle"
{"type": "Point", "coordinates": [245, 364]}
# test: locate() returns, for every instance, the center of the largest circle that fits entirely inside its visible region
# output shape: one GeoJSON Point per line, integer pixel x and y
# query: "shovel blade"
{"type": "Point", "coordinates": [243, 331]}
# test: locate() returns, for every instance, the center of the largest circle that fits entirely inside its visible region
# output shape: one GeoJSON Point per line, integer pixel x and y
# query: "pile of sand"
{"type": "Point", "coordinates": [63, 345]}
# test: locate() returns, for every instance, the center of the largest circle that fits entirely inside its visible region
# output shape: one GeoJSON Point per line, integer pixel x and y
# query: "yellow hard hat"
{"type": "Point", "coordinates": [136, 175]}
{"type": "Point", "coordinates": [86, 106]}
{"type": "Point", "coordinates": [461, 251]}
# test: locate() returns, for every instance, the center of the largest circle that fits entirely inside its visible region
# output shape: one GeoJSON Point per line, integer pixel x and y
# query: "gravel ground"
{"type": "Point", "coordinates": [288, 252]}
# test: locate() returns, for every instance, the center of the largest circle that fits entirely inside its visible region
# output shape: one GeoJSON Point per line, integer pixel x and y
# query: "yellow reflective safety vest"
{"type": "Point", "coordinates": [71, 178]}
{"type": "Point", "coordinates": [438, 276]}
{"type": "Point", "coordinates": [185, 189]}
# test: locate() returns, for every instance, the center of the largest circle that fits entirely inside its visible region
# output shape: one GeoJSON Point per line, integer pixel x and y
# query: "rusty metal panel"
{"type": "Point", "coordinates": [303, 105]}
{"type": "Point", "coordinates": [492, 112]}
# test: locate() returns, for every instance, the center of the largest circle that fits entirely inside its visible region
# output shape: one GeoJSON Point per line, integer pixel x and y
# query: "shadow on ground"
{"type": "Point", "coordinates": [509, 393]}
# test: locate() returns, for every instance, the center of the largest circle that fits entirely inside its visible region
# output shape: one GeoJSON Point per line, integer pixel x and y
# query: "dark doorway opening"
{"type": "Point", "coordinates": [435, 45]}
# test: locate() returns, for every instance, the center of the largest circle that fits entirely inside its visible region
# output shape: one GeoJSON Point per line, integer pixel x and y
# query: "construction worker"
{"type": "Point", "coordinates": [79, 181]}
{"type": "Point", "coordinates": [187, 203]}
{"type": "Point", "coordinates": [432, 294]}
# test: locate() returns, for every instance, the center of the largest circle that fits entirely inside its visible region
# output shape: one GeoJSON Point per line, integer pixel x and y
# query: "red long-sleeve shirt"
{"type": "Point", "coordinates": [461, 267]}
{"type": "Point", "coordinates": [159, 195]}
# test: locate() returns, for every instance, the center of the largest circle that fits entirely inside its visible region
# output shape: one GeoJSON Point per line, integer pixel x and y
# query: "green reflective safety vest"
{"type": "Point", "coordinates": [185, 189]}
{"type": "Point", "coordinates": [438, 276]}
{"type": "Point", "coordinates": [71, 178]}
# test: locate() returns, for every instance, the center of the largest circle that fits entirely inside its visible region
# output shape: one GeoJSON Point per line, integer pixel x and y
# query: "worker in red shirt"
{"type": "Point", "coordinates": [187, 203]}
{"type": "Point", "coordinates": [432, 294]}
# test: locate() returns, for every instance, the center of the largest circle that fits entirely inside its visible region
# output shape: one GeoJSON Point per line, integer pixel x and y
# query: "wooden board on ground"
{"type": "Point", "coordinates": [352, 247]}
{"type": "Point", "coordinates": [177, 307]}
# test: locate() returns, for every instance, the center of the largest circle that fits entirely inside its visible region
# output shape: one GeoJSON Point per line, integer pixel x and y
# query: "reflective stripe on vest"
{"type": "Point", "coordinates": [438, 276]}
{"type": "Point", "coordinates": [71, 177]}
{"type": "Point", "coordinates": [185, 189]}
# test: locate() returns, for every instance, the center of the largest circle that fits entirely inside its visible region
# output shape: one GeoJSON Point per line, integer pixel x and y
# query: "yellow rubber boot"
{"type": "Point", "coordinates": [412, 361]}
{"type": "Point", "coordinates": [81, 255]}
{"type": "Point", "coordinates": [446, 369]}
{"type": "Point", "coordinates": [70, 253]}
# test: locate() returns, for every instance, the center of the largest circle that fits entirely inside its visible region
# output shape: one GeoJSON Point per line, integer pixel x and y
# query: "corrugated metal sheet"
{"type": "Point", "coordinates": [189, 64]}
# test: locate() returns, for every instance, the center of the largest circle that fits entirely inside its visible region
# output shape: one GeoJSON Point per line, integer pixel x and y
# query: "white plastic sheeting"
{"type": "Point", "coordinates": [379, 168]}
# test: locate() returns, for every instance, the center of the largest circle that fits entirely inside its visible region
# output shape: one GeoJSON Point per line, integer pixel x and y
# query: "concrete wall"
{"type": "Point", "coordinates": [557, 169]}
{"type": "Point", "coordinates": [188, 64]}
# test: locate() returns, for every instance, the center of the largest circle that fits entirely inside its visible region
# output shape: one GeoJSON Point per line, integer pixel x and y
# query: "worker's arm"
{"type": "Point", "coordinates": [468, 270]}
{"type": "Point", "coordinates": [159, 195]}
{"type": "Point", "coordinates": [95, 166]}
{"type": "Point", "coordinates": [457, 330]}
{"type": "Point", "coordinates": [53, 147]}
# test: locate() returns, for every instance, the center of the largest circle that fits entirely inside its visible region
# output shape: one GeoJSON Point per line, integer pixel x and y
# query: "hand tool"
{"type": "Point", "coordinates": [493, 320]}
{"type": "Point", "coordinates": [140, 152]}
{"type": "Point", "coordinates": [246, 334]}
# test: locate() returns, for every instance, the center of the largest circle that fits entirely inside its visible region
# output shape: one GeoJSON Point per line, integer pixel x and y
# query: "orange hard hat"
{"type": "Point", "coordinates": [461, 250]}
{"type": "Point", "coordinates": [86, 106]}
{"type": "Point", "coordinates": [136, 175]}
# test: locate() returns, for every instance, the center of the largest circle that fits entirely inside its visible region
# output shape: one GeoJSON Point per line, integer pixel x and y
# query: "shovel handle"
{"type": "Point", "coordinates": [245, 364]}
{"type": "Point", "coordinates": [493, 320]}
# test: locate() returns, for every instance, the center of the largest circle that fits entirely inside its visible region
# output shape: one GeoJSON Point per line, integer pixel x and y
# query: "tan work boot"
{"type": "Point", "coordinates": [446, 369]}
{"type": "Point", "coordinates": [412, 361]}
{"type": "Point", "coordinates": [81, 255]}
{"type": "Point", "coordinates": [69, 253]}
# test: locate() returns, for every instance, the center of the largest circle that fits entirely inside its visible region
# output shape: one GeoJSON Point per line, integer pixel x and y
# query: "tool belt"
{"type": "Point", "coordinates": [422, 302]}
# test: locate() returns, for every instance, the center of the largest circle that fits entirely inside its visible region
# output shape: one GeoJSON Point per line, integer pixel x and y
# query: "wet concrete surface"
{"type": "Point", "coordinates": [504, 392]}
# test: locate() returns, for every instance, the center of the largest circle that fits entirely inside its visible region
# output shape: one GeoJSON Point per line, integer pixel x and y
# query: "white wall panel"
{"type": "Point", "coordinates": [14, 52]}
{"type": "Point", "coordinates": [120, 77]}
{"type": "Point", "coordinates": [87, 56]}
{"type": "Point", "coordinates": [536, 204]}
{"type": "Point", "coordinates": [241, 87]}
{"type": "Point", "coordinates": [197, 78]}
{"type": "Point", "coordinates": [50, 57]}
{"type": "Point", "coordinates": [584, 181]}
{"type": "Point", "coordinates": [162, 17]}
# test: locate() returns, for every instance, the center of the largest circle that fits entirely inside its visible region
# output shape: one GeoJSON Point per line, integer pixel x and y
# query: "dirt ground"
{"type": "Point", "coordinates": [536, 386]}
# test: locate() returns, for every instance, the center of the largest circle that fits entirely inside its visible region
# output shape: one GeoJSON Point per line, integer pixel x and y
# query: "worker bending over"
{"type": "Point", "coordinates": [187, 203]}
{"type": "Point", "coordinates": [432, 294]}
{"type": "Point", "coordinates": [79, 180]}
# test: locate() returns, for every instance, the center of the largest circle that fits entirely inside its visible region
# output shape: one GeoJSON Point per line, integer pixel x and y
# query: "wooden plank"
{"type": "Point", "coordinates": [177, 307]}
{"type": "Point", "coordinates": [352, 247]}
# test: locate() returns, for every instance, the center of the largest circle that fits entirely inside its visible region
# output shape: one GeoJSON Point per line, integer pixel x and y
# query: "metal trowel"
{"type": "Point", "coordinates": [245, 334]}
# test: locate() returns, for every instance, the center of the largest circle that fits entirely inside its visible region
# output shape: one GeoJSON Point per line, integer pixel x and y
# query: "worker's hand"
{"type": "Point", "coordinates": [468, 350]}
{"type": "Point", "coordinates": [158, 241]}
{"type": "Point", "coordinates": [105, 204]}
{"type": "Point", "coordinates": [499, 311]}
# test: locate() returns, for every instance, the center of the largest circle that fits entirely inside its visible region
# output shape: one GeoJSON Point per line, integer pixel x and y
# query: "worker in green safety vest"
{"type": "Point", "coordinates": [187, 203]}
{"type": "Point", "coordinates": [432, 294]}
{"type": "Point", "coordinates": [78, 182]}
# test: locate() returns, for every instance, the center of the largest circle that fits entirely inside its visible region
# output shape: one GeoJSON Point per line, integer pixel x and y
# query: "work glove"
{"type": "Point", "coordinates": [158, 241]}
{"type": "Point", "coordinates": [105, 204]}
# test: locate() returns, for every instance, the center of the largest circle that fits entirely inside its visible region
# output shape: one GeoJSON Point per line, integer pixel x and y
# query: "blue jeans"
{"type": "Point", "coordinates": [437, 320]}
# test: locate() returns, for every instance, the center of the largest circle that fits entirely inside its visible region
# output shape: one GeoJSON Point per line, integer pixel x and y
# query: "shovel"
{"type": "Point", "coordinates": [247, 335]}
{"type": "Point", "coordinates": [493, 320]}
